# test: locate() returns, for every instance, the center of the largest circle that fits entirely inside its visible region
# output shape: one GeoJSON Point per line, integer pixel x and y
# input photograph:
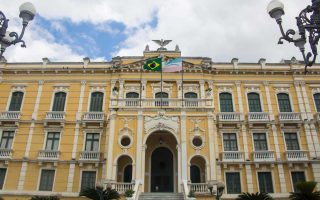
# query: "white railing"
{"type": "Point", "coordinates": [55, 115]}
{"type": "Point", "coordinates": [155, 103]}
{"type": "Point", "coordinates": [232, 156]}
{"type": "Point", "coordinates": [5, 153]}
{"type": "Point", "coordinates": [258, 116]}
{"type": "Point", "coordinates": [296, 155]}
{"type": "Point", "coordinates": [136, 190]}
{"type": "Point", "coordinates": [229, 116]}
{"type": "Point", "coordinates": [263, 156]}
{"type": "Point", "coordinates": [289, 116]}
{"type": "Point", "coordinates": [89, 155]}
{"type": "Point", "coordinates": [93, 116]}
{"type": "Point", "coordinates": [10, 115]}
{"type": "Point", "coordinates": [199, 187]}
{"type": "Point", "coordinates": [122, 187]}
{"type": "Point", "coordinates": [48, 155]}
{"type": "Point", "coordinates": [185, 189]}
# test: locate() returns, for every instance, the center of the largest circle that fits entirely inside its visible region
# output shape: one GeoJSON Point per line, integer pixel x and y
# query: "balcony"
{"type": "Point", "coordinates": [258, 118]}
{"type": "Point", "coordinates": [122, 187]}
{"type": "Point", "coordinates": [54, 117]}
{"type": "Point", "coordinates": [290, 117]}
{"type": "Point", "coordinates": [89, 157]}
{"type": "Point", "coordinates": [5, 154]}
{"type": "Point", "coordinates": [229, 118]}
{"type": "Point", "coordinates": [199, 188]}
{"type": "Point", "coordinates": [165, 103]}
{"type": "Point", "coordinates": [10, 117]}
{"type": "Point", "coordinates": [296, 155]}
{"type": "Point", "coordinates": [232, 156]}
{"type": "Point", "coordinates": [48, 155]}
{"type": "Point", "coordinates": [263, 156]}
{"type": "Point", "coordinates": [93, 117]}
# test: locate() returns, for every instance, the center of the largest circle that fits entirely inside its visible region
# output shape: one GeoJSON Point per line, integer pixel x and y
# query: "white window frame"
{"type": "Point", "coordinates": [285, 91]}
{"type": "Point", "coordinates": [272, 177]}
{"type": "Point", "coordinates": [17, 88]}
{"type": "Point", "coordinates": [87, 170]}
{"type": "Point", "coordinates": [97, 89]}
{"type": "Point", "coordinates": [15, 130]}
{"type": "Point", "coordinates": [225, 179]}
{"type": "Point", "coordinates": [297, 170]}
{"type": "Point", "coordinates": [54, 178]}
{"type": "Point", "coordinates": [257, 91]}
{"type": "Point", "coordinates": [237, 136]}
{"type": "Point", "coordinates": [46, 131]}
{"type": "Point", "coordinates": [99, 131]}
{"type": "Point", "coordinates": [267, 138]}
{"type": "Point", "coordinates": [57, 89]}
{"type": "Point", "coordinates": [283, 131]}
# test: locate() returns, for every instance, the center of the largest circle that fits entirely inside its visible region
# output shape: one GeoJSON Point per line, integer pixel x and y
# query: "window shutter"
{"type": "Point", "coordinates": [254, 102]}
{"type": "Point", "coordinates": [226, 104]}
{"type": "Point", "coordinates": [46, 180]}
{"type": "Point", "coordinates": [96, 102]}
{"type": "Point", "coordinates": [284, 102]}
{"type": "Point", "coordinates": [16, 101]}
{"type": "Point", "coordinates": [59, 101]}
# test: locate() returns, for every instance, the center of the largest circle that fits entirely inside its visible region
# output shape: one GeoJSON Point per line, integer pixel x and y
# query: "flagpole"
{"type": "Point", "coordinates": [161, 87]}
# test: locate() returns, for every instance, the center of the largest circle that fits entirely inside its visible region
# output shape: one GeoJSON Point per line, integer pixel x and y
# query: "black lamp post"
{"type": "Point", "coordinates": [7, 38]}
{"type": "Point", "coordinates": [308, 23]}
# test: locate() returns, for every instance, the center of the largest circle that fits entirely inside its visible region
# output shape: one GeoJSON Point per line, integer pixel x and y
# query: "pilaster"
{"type": "Point", "coordinates": [212, 151]}
{"type": "Point", "coordinates": [310, 143]}
{"type": "Point", "coordinates": [202, 92]}
{"type": "Point", "coordinates": [300, 101]}
{"type": "Point", "coordinates": [139, 144]}
{"type": "Point", "coordinates": [184, 164]}
{"type": "Point", "coordinates": [249, 178]}
{"type": "Point", "coordinates": [110, 144]}
{"type": "Point", "coordinates": [266, 87]}
{"type": "Point", "coordinates": [121, 84]}
{"type": "Point", "coordinates": [306, 100]}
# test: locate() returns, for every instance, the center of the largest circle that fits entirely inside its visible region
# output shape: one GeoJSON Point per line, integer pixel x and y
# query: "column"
{"type": "Point", "coordinates": [306, 101]}
{"type": "Point", "coordinates": [243, 127]}
{"type": "Point", "coordinates": [300, 101]}
{"type": "Point", "coordinates": [310, 145]}
{"type": "Point", "coordinates": [212, 150]}
{"type": "Point", "coordinates": [202, 92]}
{"type": "Point", "coordinates": [179, 89]}
{"type": "Point", "coordinates": [110, 145]}
{"type": "Point", "coordinates": [24, 165]}
{"type": "Point", "coordinates": [143, 158]}
{"type": "Point", "coordinates": [249, 178]}
{"type": "Point", "coordinates": [121, 84]}
{"type": "Point", "coordinates": [184, 164]}
{"type": "Point", "coordinates": [179, 167]}
{"type": "Point", "coordinates": [139, 145]}
{"type": "Point", "coordinates": [75, 139]}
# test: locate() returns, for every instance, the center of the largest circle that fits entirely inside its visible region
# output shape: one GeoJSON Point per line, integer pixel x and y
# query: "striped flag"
{"type": "Point", "coordinates": [174, 65]}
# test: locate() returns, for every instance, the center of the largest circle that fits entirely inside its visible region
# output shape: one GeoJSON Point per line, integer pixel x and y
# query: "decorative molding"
{"type": "Point", "coordinates": [161, 122]}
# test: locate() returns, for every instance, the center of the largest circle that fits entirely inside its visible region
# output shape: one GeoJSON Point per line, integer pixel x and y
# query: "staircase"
{"type": "Point", "coordinates": [161, 196]}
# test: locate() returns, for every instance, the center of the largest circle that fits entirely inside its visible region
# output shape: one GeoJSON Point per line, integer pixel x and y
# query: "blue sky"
{"type": "Point", "coordinates": [68, 30]}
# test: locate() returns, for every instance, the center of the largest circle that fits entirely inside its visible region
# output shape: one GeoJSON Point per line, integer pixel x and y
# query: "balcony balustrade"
{"type": "Point", "coordinates": [10, 115]}
{"type": "Point", "coordinates": [232, 156]}
{"type": "Point", "coordinates": [48, 155]}
{"type": "Point", "coordinates": [5, 154]}
{"type": "Point", "coordinates": [265, 156]}
{"type": "Point", "coordinates": [258, 117]}
{"type": "Point", "coordinates": [55, 115]}
{"type": "Point", "coordinates": [199, 188]}
{"type": "Point", "coordinates": [229, 117]}
{"type": "Point", "coordinates": [296, 155]}
{"type": "Point", "coordinates": [93, 116]}
{"type": "Point", "coordinates": [89, 156]}
{"type": "Point", "coordinates": [289, 117]}
{"type": "Point", "coordinates": [122, 187]}
{"type": "Point", "coordinates": [164, 103]}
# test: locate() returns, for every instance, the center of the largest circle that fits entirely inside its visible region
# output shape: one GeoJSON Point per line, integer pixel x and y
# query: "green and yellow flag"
{"type": "Point", "coordinates": [153, 64]}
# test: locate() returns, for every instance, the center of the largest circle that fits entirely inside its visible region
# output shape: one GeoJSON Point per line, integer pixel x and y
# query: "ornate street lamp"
{"type": "Point", "coordinates": [308, 23]}
{"type": "Point", "coordinates": [220, 188]}
{"type": "Point", "coordinates": [7, 38]}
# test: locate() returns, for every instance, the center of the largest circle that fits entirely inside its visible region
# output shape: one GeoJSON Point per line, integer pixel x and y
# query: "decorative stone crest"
{"type": "Point", "coordinates": [161, 122]}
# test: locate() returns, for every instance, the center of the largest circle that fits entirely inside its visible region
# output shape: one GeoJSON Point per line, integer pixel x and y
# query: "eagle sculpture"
{"type": "Point", "coordinates": [162, 43]}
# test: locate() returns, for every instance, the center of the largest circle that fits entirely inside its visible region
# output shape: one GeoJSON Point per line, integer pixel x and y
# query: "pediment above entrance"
{"type": "Point", "coordinates": [161, 123]}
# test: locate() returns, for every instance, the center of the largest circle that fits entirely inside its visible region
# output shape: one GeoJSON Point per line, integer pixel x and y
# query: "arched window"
{"type": "Point", "coordinates": [127, 174]}
{"type": "Point", "coordinates": [195, 174]}
{"type": "Point", "coordinates": [226, 104]}
{"type": "Point", "coordinates": [284, 102]}
{"type": "Point", "coordinates": [254, 102]}
{"type": "Point", "coordinates": [190, 95]}
{"type": "Point", "coordinates": [317, 101]}
{"type": "Point", "coordinates": [164, 99]}
{"type": "Point", "coordinates": [16, 101]}
{"type": "Point", "coordinates": [96, 102]}
{"type": "Point", "coordinates": [132, 95]}
{"type": "Point", "coordinates": [191, 99]}
{"type": "Point", "coordinates": [59, 101]}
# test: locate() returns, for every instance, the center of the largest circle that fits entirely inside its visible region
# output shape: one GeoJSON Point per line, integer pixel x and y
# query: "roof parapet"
{"type": "Point", "coordinates": [262, 62]}
{"type": "Point", "coordinates": [86, 61]}
{"type": "Point", "coordinates": [45, 61]}
{"type": "Point", "coordinates": [235, 62]}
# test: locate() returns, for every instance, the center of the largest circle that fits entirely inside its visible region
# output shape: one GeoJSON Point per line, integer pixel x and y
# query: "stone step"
{"type": "Point", "coordinates": [158, 195]}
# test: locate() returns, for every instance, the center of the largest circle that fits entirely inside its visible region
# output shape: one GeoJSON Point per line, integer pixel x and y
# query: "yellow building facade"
{"type": "Point", "coordinates": [69, 125]}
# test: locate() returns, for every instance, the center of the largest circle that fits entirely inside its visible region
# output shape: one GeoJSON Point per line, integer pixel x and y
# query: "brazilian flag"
{"type": "Point", "coordinates": [153, 64]}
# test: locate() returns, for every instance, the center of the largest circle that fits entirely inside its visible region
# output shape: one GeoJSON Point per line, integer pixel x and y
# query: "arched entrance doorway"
{"type": "Point", "coordinates": [162, 170]}
{"type": "Point", "coordinates": [161, 162]}
{"type": "Point", "coordinates": [124, 169]}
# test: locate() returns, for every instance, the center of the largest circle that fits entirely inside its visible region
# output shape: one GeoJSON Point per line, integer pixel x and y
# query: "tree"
{"type": "Point", "coordinates": [45, 198]}
{"type": "Point", "coordinates": [254, 196]}
{"type": "Point", "coordinates": [99, 194]}
{"type": "Point", "coordinates": [306, 191]}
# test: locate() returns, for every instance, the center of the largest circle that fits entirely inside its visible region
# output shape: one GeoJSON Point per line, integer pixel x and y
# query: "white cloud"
{"type": "Point", "coordinates": [218, 29]}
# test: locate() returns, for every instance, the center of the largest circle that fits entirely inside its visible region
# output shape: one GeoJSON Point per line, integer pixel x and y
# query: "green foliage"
{"type": "Point", "coordinates": [44, 198]}
{"type": "Point", "coordinates": [306, 191]}
{"type": "Point", "coordinates": [254, 196]}
{"type": "Point", "coordinates": [191, 194]}
{"type": "Point", "coordinates": [99, 194]}
{"type": "Point", "coordinates": [129, 193]}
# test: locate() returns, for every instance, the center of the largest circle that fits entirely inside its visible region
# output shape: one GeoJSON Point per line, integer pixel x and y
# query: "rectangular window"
{"type": "Point", "coordinates": [59, 101]}
{"type": "Point", "coordinates": [88, 179]}
{"type": "Point", "coordinates": [6, 139]}
{"type": "Point", "coordinates": [92, 142]}
{"type": "Point", "coordinates": [296, 178]}
{"type": "Point", "coordinates": [233, 183]}
{"type": "Point", "coordinates": [46, 180]}
{"type": "Point", "coordinates": [226, 104]}
{"type": "Point", "coordinates": [260, 142]}
{"type": "Point", "coordinates": [292, 141]}
{"type": "Point", "coordinates": [265, 182]}
{"type": "Point", "coordinates": [230, 142]}
{"type": "Point", "coordinates": [3, 172]}
{"type": "Point", "coordinates": [53, 141]}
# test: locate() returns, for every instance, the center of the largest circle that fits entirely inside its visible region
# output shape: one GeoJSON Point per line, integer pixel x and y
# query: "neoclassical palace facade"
{"type": "Point", "coordinates": [70, 125]}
